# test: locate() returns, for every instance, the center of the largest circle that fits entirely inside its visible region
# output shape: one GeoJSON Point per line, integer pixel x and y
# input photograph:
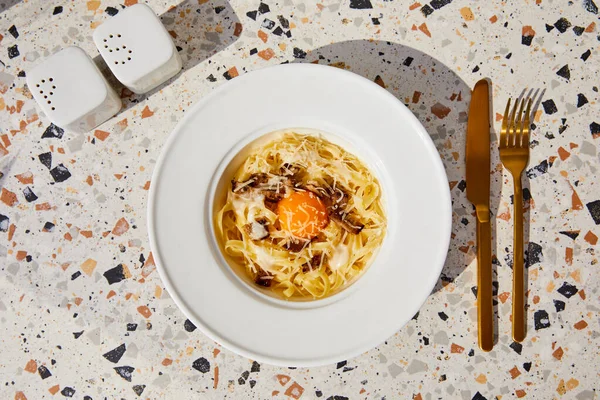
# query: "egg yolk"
{"type": "Point", "coordinates": [303, 214]}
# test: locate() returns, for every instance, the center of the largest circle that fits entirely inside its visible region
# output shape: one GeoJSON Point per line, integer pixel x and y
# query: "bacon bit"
{"type": "Point", "coordinates": [146, 113]}
{"type": "Point", "coordinates": [54, 389]}
{"type": "Point", "coordinates": [591, 27]}
{"type": "Point", "coordinates": [423, 28]}
{"type": "Point", "coordinates": [467, 14]}
{"type": "Point", "coordinates": [493, 19]}
{"type": "Point", "coordinates": [414, 6]}
{"type": "Point", "coordinates": [87, 234]}
{"type": "Point", "coordinates": [31, 366]}
{"type": "Point", "coordinates": [294, 391]}
{"type": "Point", "coordinates": [43, 207]}
{"type": "Point", "coordinates": [266, 54]}
{"type": "Point", "coordinates": [101, 135]}
{"type": "Point", "coordinates": [216, 377]}
{"type": "Point", "coordinates": [563, 154]}
{"type": "Point", "coordinates": [110, 294]}
{"type": "Point", "coordinates": [580, 325]}
{"type": "Point", "coordinates": [283, 379]}
{"type": "Point", "coordinates": [591, 238]}
{"type": "Point", "coordinates": [8, 197]}
{"type": "Point", "coordinates": [440, 110]}
{"type": "Point", "coordinates": [237, 31]}
{"type": "Point", "coordinates": [558, 353]}
{"type": "Point", "coordinates": [145, 311]}
{"type": "Point", "coordinates": [454, 348]}
{"type": "Point", "coordinates": [416, 96]}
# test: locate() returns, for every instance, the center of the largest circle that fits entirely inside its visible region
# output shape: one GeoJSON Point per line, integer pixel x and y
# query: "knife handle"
{"type": "Point", "coordinates": [518, 311]}
{"type": "Point", "coordinates": [485, 308]}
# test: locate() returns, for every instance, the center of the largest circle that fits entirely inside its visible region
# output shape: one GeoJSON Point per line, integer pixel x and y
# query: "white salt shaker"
{"type": "Point", "coordinates": [137, 48]}
{"type": "Point", "coordinates": [72, 91]}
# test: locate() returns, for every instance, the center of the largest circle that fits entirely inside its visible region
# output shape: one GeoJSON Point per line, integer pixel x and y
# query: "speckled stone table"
{"type": "Point", "coordinates": [84, 314]}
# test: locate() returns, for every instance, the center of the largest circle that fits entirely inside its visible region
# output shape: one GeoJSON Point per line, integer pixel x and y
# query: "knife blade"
{"type": "Point", "coordinates": [478, 193]}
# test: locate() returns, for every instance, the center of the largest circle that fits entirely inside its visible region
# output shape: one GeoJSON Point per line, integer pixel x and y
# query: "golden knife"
{"type": "Point", "coordinates": [478, 193]}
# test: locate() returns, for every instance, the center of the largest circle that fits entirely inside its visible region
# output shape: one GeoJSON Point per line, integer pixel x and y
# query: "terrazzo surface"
{"type": "Point", "coordinates": [84, 314]}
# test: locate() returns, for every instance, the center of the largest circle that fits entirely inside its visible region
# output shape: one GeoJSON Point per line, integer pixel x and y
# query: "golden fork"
{"type": "Point", "coordinates": [514, 154]}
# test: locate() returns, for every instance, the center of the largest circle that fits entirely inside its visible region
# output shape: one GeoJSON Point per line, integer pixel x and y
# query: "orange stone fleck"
{"type": "Point", "coordinates": [147, 185]}
{"type": "Point", "coordinates": [591, 238]}
{"type": "Point", "coordinates": [591, 27]}
{"type": "Point", "coordinates": [88, 266]}
{"type": "Point", "coordinates": [25, 178]}
{"type": "Point", "coordinates": [527, 30]}
{"type": "Point", "coordinates": [266, 54]}
{"type": "Point", "coordinates": [294, 391]}
{"type": "Point", "coordinates": [263, 36]}
{"type": "Point", "coordinates": [576, 203]}
{"type": "Point", "coordinates": [440, 110]}
{"type": "Point", "coordinates": [514, 372]}
{"type": "Point", "coordinates": [481, 378]}
{"type": "Point", "coordinates": [283, 379]}
{"type": "Point", "coordinates": [237, 31]}
{"type": "Point", "coordinates": [54, 389]}
{"type": "Point", "coordinates": [87, 234]}
{"type": "Point", "coordinates": [8, 197]}
{"type": "Point", "coordinates": [31, 366]}
{"type": "Point", "coordinates": [216, 377]}
{"type": "Point", "coordinates": [467, 14]}
{"type": "Point", "coordinates": [569, 255]}
{"type": "Point", "coordinates": [558, 353]}
{"type": "Point", "coordinates": [561, 389]}
{"type": "Point", "coordinates": [536, 299]}
{"type": "Point", "coordinates": [233, 72]}
{"type": "Point", "coordinates": [454, 348]}
{"type": "Point", "coordinates": [216, 352]}
{"type": "Point", "coordinates": [101, 135]}
{"type": "Point", "coordinates": [93, 5]}
{"type": "Point", "coordinates": [414, 6]}
{"type": "Point", "coordinates": [111, 294]}
{"type": "Point", "coordinates": [504, 296]}
{"type": "Point", "coordinates": [493, 19]}
{"type": "Point", "coordinates": [572, 384]}
{"type": "Point", "coordinates": [20, 396]}
{"type": "Point", "coordinates": [580, 325]}
{"type": "Point", "coordinates": [423, 28]}
{"type": "Point", "coordinates": [166, 362]}
{"type": "Point", "coordinates": [43, 207]}
{"type": "Point", "coordinates": [130, 2]}
{"type": "Point", "coordinates": [121, 227]}
{"type": "Point", "coordinates": [563, 153]}
{"type": "Point", "coordinates": [21, 254]}
{"type": "Point", "coordinates": [145, 311]}
{"type": "Point", "coordinates": [520, 393]}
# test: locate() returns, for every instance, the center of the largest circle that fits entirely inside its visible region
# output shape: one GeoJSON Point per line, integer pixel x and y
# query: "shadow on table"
{"type": "Point", "coordinates": [6, 4]}
{"type": "Point", "coordinates": [198, 31]}
{"type": "Point", "coordinates": [440, 100]}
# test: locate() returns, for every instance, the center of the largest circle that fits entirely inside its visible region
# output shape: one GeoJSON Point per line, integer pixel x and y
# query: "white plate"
{"type": "Point", "coordinates": [375, 126]}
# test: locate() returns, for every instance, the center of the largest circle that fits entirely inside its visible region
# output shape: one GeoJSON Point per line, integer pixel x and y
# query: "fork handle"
{"type": "Point", "coordinates": [518, 309]}
{"type": "Point", "coordinates": [485, 307]}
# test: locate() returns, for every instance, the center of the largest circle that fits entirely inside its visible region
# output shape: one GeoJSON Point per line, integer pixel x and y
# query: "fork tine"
{"type": "Point", "coordinates": [526, 125]}
{"type": "Point", "coordinates": [504, 131]}
{"type": "Point", "coordinates": [512, 125]}
{"type": "Point", "coordinates": [519, 124]}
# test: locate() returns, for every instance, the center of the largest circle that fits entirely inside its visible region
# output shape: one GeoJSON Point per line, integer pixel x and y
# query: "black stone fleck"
{"type": "Point", "coordinates": [360, 4]}
{"type": "Point", "coordinates": [139, 389]}
{"type": "Point", "coordinates": [541, 320]}
{"type": "Point", "coordinates": [589, 6]}
{"type": "Point", "coordinates": [416, 316]}
{"type": "Point", "coordinates": [549, 27]}
{"type": "Point", "coordinates": [375, 21]}
{"type": "Point", "coordinates": [53, 131]}
{"type": "Point", "coordinates": [408, 61]}
{"type": "Point", "coordinates": [219, 9]}
{"type": "Point", "coordinates": [241, 381]}
{"type": "Point", "coordinates": [189, 326]}
{"type": "Point", "coordinates": [76, 335]}
{"type": "Point", "coordinates": [115, 355]}
{"type": "Point", "coordinates": [462, 185]}
{"type": "Point", "coordinates": [517, 347]}
{"type": "Point", "coordinates": [44, 372]}
{"type": "Point", "coordinates": [595, 129]}
{"type": "Point", "coordinates": [13, 51]}
{"type": "Point", "coordinates": [476, 68]}
{"type": "Point", "coordinates": [341, 364]}
{"type": "Point", "coordinates": [559, 305]}
{"type": "Point", "coordinates": [443, 316]}
{"type": "Point", "coordinates": [562, 25]}
{"type": "Point", "coordinates": [57, 10]}
{"type": "Point", "coordinates": [112, 11]}
{"type": "Point", "coordinates": [594, 209]}
{"type": "Point", "coordinates": [478, 396]}
{"type": "Point", "coordinates": [201, 365]}
{"type": "Point", "coordinates": [425, 340]}
{"type": "Point", "coordinates": [4, 222]}
{"type": "Point", "coordinates": [586, 55]}
{"type": "Point", "coordinates": [471, 353]}
{"type": "Point", "coordinates": [68, 391]}
{"type": "Point", "coordinates": [87, 398]}
{"type": "Point", "coordinates": [299, 53]}
{"type": "Point", "coordinates": [508, 56]}
{"type": "Point", "coordinates": [268, 24]}
{"type": "Point", "coordinates": [567, 290]}
{"type": "Point", "coordinates": [252, 383]}
{"type": "Point", "coordinates": [263, 8]}
{"type": "Point", "coordinates": [526, 40]}
{"type": "Point", "coordinates": [338, 397]}
{"type": "Point", "coordinates": [255, 367]}
{"type": "Point", "coordinates": [48, 227]}
{"type": "Point", "coordinates": [114, 275]}
{"type": "Point", "coordinates": [578, 30]}
{"type": "Point", "coordinates": [131, 327]}
{"type": "Point", "coordinates": [464, 221]}
{"type": "Point", "coordinates": [75, 275]}
{"type": "Point", "coordinates": [124, 372]}
{"type": "Point", "coordinates": [426, 10]}
{"type": "Point", "coordinates": [572, 234]}
{"type": "Point", "coordinates": [288, 34]}
{"type": "Point", "coordinates": [60, 173]}
{"type": "Point", "coordinates": [534, 254]}
{"type": "Point", "coordinates": [527, 366]}
{"type": "Point", "coordinates": [211, 78]}
{"type": "Point", "coordinates": [252, 14]}
{"type": "Point", "coordinates": [46, 159]}
{"type": "Point", "coordinates": [252, 52]}
{"type": "Point", "coordinates": [564, 72]}
{"type": "Point", "coordinates": [13, 31]}
{"type": "Point", "coordinates": [285, 24]}
{"type": "Point", "coordinates": [227, 76]}
{"type": "Point", "coordinates": [278, 31]}
{"type": "Point", "coordinates": [29, 195]}
{"type": "Point", "coordinates": [538, 170]}
{"type": "Point", "coordinates": [21, 74]}
{"type": "Point", "coordinates": [437, 4]}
